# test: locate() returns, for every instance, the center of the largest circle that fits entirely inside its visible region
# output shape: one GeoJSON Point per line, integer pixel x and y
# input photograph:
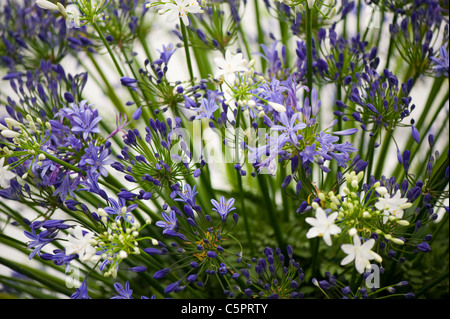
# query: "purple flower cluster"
{"type": "Point", "coordinates": [165, 161]}
{"type": "Point", "coordinates": [198, 237]}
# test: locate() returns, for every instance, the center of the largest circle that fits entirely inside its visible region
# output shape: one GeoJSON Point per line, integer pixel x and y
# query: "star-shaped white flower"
{"type": "Point", "coordinates": [361, 254]}
{"type": "Point", "coordinates": [323, 226]}
{"type": "Point", "coordinates": [229, 65]}
{"type": "Point", "coordinates": [392, 205]}
{"type": "Point", "coordinates": [180, 9]}
{"type": "Point", "coordinates": [80, 243]}
{"type": "Point", "coordinates": [5, 174]}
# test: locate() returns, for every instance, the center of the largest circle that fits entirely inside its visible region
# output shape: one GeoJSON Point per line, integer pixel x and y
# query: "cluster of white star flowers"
{"type": "Point", "coordinates": [110, 247]}
{"type": "Point", "coordinates": [361, 217]}
{"type": "Point", "coordinates": [176, 10]}
{"type": "Point", "coordinates": [22, 141]}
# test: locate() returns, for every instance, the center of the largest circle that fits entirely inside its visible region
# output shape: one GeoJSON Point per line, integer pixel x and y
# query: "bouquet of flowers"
{"type": "Point", "coordinates": [239, 149]}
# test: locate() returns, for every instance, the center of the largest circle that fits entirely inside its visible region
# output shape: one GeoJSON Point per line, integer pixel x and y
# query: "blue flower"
{"type": "Point", "coordinates": [123, 292]}
{"type": "Point", "coordinates": [65, 187]}
{"type": "Point", "coordinates": [442, 63]}
{"type": "Point", "coordinates": [37, 242]}
{"type": "Point", "coordinates": [98, 161]}
{"type": "Point", "coordinates": [91, 183]}
{"type": "Point", "coordinates": [84, 120]}
{"type": "Point", "coordinates": [120, 209]}
{"type": "Point", "coordinates": [308, 153]}
{"type": "Point", "coordinates": [81, 292]}
{"type": "Point", "coordinates": [223, 207]}
{"type": "Point", "coordinates": [187, 196]}
{"type": "Point", "coordinates": [169, 223]}
{"type": "Point", "coordinates": [207, 109]}
{"type": "Point", "coordinates": [289, 127]}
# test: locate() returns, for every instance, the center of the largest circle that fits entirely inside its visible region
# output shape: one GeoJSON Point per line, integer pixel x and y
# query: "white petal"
{"type": "Point", "coordinates": [334, 229]}
{"type": "Point", "coordinates": [312, 232]}
{"type": "Point", "coordinates": [312, 221]}
{"type": "Point", "coordinates": [361, 264]}
{"type": "Point", "coordinates": [44, 4]}
{"type": "Point", "coordinates": [368, 244]}
{"type": "Point", "coordinates": [327, 238]}
{"type": "Point", "coordinates": [347, 260]}
{"type": "Point", "coordinates": [277, 107]}
{"type": "Point", "coordinates": [348, 249]}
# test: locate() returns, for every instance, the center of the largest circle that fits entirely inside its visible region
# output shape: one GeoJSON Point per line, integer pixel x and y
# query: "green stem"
{"type": "Point", "coordinates": [260, 33]}
{"type": "Point", "coordinates": [432, 284]}
{"type": "Point", "coordinates": [245, 42]}
{"type": "Point", "coordinates": [284, 30]}
{"type": "Point", "coordinates": [186, 50]}
{"type": "Point", "coordinates": [370, 156]}
{"type": "Point", "coordinates": [105, 43]}
{"type": "Point", "coordinates": [63, 163]}
{"type": "Point", "coordinates": [314, 255]}
{"type": "Point", "coordinates": [270, 210]}
{"type": "Point", "coordinates": [111, 92]}
{"type": "Point", "coordinates": [309, 74]}
{"type": "Point", "coordinates": [391, 45]}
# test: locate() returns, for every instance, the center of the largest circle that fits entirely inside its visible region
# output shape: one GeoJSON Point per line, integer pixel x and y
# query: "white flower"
{"type": "Point", "coordinates": [323, 225]}
{"type": "Point", "coordinates": [80, 243]}
{"type": "Point", "coordinates": [311, 3]}
{"type": "Point", "coordinates": [361, 254]}
{"type": "Point", "coordinates": [5, 174]}
{"type": "Point", "coordinates": [180, 9]}
{"type": "Point", "coordinates": [392, 206]}
{"type": "Point", "coordinates": [73, 16]}
{"type": "Point", "coordinates": [229, 65]}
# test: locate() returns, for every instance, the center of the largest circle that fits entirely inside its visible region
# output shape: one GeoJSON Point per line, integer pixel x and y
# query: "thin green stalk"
{"type": "Point", "coordinates": [391, 45]}
{"type": "Point", "coordinates": [370, 157]}
{"type": "Point", "coordinates": [240, 187]}
{"type": "Point", "coordinates": [186, 50]}
{"type": "Point", "coordinates": [245, 42]}
{"type": "Point", "coordinates": [260, 33]}
{"type": "Point", "coordinates": [384, 149]}
{"type": "Point", "coordinates": [111, 92]}
{"type": "Point", "coordinates": [63, 163]}
{"type": "Point", "coordinates": [309, 74]}
{"type": "Point", "coordinates": [315, 242]}
{"type": "Point", "coordinates": [420, 122]}
{"type": "Point", "coordinates": [284, 30]}
{"type": "Point", "coordinates": [271, 210]}
{"type": "Point", "coordinates": [105, 43]}
{"type": "Point", "coordinates": [432, 284]}
{"type": "Point", "coordinates": [358, 17]}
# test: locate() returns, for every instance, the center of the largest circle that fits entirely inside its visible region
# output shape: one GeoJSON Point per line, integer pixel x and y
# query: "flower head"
{"type": "Point", "coordinates": [180, 9]}
{"type": "Point", "coordinates": [79, 242]}
{"type": "Point", "coordinates": [5, 174]}
{"type": "Point", "coordinates": [229, 65]}
{"type": "Point", "coordinates": [323, 225]}
{"type": "Point", "coordinates": [392, 206]}
{"type": "Point", "coordinates": [223, 207]}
